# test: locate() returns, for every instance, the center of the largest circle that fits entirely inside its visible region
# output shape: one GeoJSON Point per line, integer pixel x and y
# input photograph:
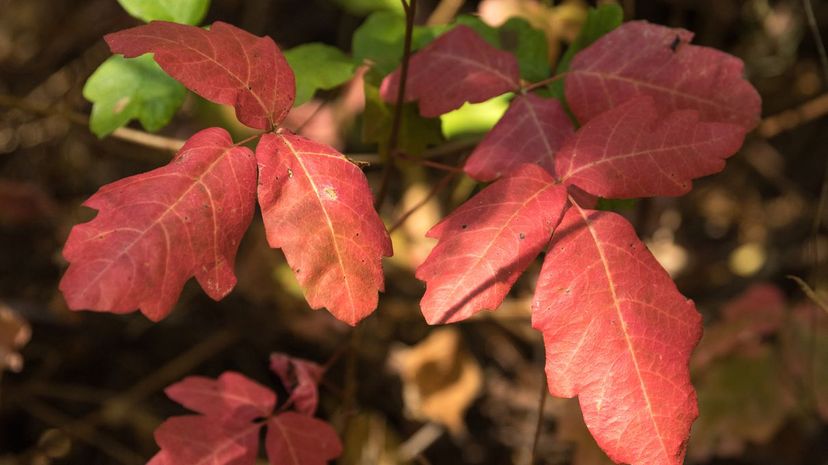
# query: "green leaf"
{"type": "Point", "coordinates": [177, 11]}
{"type": "Point", "coordinates": [529, 46]}
{"type": "Point", "coordinates": [318, 66]}
{"type": "Point", "coordinates": [380, 39]}
{"type": "Point", "coordinates": [416, 132]}
{"type": "Point", "coordinates": [475, 118]}
{"type": "Point", "coordinates": [365, 7]}
{"type": "Point", "coordinates": [488, 33]}
{"type": "Point", "coordinates": [123, 89]}
{"type": "Point", "coordinates": [599, 21]}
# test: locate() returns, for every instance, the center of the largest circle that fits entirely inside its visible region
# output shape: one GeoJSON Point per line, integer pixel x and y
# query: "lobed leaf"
{"type": "Point", "coordinates": [231, 396]}
{"type": "Point", "coordinates": [318, 66]}
{"type": "Point", "coordinates": [531, 131]}
{"type": "Point", "coordinates": [317, 208]}
{"type": "Point", "coordinates": [618, 335]}
{"type": "Point", "coordinates": [123, 89]}
{"type": "Point", "coordinates": [226, 65]}
{"type": "Point", "coordinates": [456, 68]}
{"type": "Point", "coordinates": [643, 58]}
{"type": "Point", "coordinates": [177, 11]}
{"type": "Point", "coordinates": [487, 243]}
{"type": "Point", "coordinates": [155, 230]}
{"type": "Point", "coordinates": [294, 439]}
{"type": "Point", "coordinates": [632, 151]}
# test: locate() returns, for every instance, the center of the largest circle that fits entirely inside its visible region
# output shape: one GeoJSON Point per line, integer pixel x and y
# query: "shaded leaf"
{"type": "Point", "coordinates": [317, 208]}
{"type": "Point", "coordinates": [155, 230]}
{"type": "Point", "coordinates": [531, 131]}
{"type": "Point", "coordinates": [758, 312]}
{"type": "Point", "coordinates": [618, 335]}
{"type": "Point", "coordinates": [225, 65]}
{"type": "Point", "coordinates": [599, 21]}
{"type": "Point", "coordinates": [456, 68]}
{"type": "Point", "coordinates": [529, 46]}
{"type": "Point", "coordinates": [487, 243]}
{"type": "Point", "coordinates": [318, 66]}
{"type": "Point", "coordinates": [123, 89]}
{"type": "Point", "coordinates": [742, 398]}
{"type": "Point", "coordinates": [177, 11]}
{"type": "Point", "coordinates": [232, 395]}
{"type": "Point", "coordinates": [201, 440]}
{"type": "Point", "coordinates": [294, 439]}
{"type": "Point", "coordinates": [805, 346]}
{"type": "Point", "coordinates": [379, 40]}
{"type": "Point", "coordinates": [301, 379]}
{"type": "Point", "coordinates": [643, 58]}
{"type": "Point", "coordinates": [416, 133]}
{"type": "Point", "coordinates": [633, 151]}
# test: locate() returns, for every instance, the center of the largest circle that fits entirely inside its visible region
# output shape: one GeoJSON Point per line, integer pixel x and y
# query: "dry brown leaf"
{"type": "Point", "coordinates": [440, 379]}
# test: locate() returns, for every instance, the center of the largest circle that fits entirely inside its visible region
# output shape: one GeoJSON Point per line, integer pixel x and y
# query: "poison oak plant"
{"type": "Point", "coordinates": [635, 112]}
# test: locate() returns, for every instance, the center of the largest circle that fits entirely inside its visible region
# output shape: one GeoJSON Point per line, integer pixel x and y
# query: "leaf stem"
{"type": "Point", "coordinates": [549, 80]}
{"type": "Point", "coordinates": [544, 393]}
{"type": "Point", "coordinates": [410, 9]}
{"type": "Point", "coordinates": [434, 190]}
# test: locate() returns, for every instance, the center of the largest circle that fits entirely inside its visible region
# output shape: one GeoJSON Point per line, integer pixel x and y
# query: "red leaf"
{"type": "Point", "coordinates": [531, 131]}
{"type": "Point", "coordinates": [631, 151]}
{"type": "Point", "coordinates": [232, 395]}
{"type": "Point", "coordinates": [300, 378]}
{"type": "Point", "coordinates": [199, 440]}
{"type": "Point", "coordinates": [156, 230]}
{"type": "Point", "coordinates": [225, 65]}
{"type": "Point", "coordinates": [619, 336]}
{"type": "Point", "coordinates": [643, 58]}
{"type": "Point", "coordinates": [456, 68]}
{"type": "Point", "coordinates": [294, 439]}
{"type": "Point", "coordinates": [317, 208]}
{"type": "Point", "coordinates": [487, 243]}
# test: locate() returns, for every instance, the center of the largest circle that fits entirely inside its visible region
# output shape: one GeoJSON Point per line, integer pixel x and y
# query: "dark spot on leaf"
{"type": "Point", "coordinates": [522, 236]}
{"type": "Point", "coordinates": [298, 270]}
{"type": "Point", "coordinates": [464, 226]}
{"type": "Point", "coordinates": [676, 42]}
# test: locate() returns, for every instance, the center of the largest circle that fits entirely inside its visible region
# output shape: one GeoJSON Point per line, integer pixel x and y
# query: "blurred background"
{"type": "Point", "coordinates": [87, 388]}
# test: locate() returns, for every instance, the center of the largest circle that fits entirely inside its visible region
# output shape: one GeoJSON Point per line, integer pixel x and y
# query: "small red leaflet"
{"type": "Point", "coordinates": [233, 409]}
{"type": "Point", "coordinates": [487, 243]}
{"type": "Point", "coordinates": [531, 131]}
{"type": "Point", "coordinates": [456, 68]}
{"type": "Point", "coordinates": [318, 209]}
{"type": "Point", "coordinates": [631, 151]}
{"type": "Point", "coordinates": [155, 230]}
{"type": "Point", "coordinates": [618, 335]}
{"type": "Point", "coordinates": [225, 64]}
{"type": "Point", "coordinates": [640, 58]}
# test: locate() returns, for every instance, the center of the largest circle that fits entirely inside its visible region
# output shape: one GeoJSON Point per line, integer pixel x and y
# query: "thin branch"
{"type": "Point", "coordinates": [135, 136]}
{"type": "Point", "coordinates": [549, 80]}
{"type": "Point", "coordinates": [393, 139]}
{"type": "Point", "coordinates": [544, 393]}
{"type": "Point", "coordinates": [434, 190]}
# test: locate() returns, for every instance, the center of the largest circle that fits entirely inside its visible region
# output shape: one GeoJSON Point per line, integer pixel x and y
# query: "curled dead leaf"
{"type": "Point", "coordinates": [440, 379]}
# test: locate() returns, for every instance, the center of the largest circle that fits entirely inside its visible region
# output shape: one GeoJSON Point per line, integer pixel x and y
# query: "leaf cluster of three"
{"type": "Point", "coordinates": [654, 111]}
